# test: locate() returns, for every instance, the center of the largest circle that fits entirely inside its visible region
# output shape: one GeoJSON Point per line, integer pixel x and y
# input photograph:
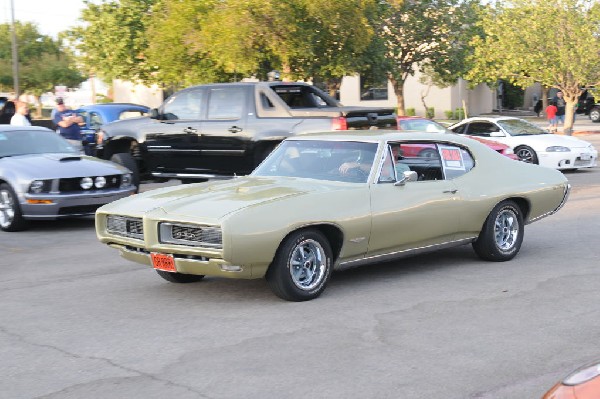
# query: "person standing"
{"type": "Point", "coordinates": [20, 116]}
{"type": "Point", "coordinates": [67, 122]}
{"type": "Point", "coordinates": [561, 106]}
{"type": "Point", "coordinates": [551, 116]}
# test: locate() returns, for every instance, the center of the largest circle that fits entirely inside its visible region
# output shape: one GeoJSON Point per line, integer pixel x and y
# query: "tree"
{"type": "Point", "coordinates": [43, 62]}
{"type": "Point", "coordinates": [113, 41]}
{"type": "Point", "coordinates": [553, 43]}
{"type": "Point", "coordinates": [420, 34]}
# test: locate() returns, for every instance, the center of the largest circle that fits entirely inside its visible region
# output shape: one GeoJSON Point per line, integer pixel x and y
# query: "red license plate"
{"type": "Point", "coordinates": [163, 262]}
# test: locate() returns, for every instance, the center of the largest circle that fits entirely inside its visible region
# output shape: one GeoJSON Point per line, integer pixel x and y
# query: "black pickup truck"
{"type": "Point", "coordinates": [222, 130]}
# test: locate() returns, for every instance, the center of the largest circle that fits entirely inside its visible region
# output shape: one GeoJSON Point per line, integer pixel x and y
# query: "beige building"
{"type": "Point", "coordinates": [478, 101]}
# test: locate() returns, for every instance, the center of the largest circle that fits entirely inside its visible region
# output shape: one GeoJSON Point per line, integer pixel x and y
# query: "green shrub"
{"type": "Point", "coordinates": [459, 113]}
{"type": "Point", "coordinates": [410, 112]}
{"type": "Point", "coordinates": [449, 114]}
{"type": "Point", "coordinates": [430, 113]}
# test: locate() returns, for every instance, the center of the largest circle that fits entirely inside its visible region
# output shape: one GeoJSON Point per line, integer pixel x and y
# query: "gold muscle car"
{"type": "Point", "coordinates": [328, 201]}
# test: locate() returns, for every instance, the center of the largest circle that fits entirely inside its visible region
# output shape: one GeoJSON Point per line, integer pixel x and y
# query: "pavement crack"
{"type": "Point", "coordinates": [98, 358]}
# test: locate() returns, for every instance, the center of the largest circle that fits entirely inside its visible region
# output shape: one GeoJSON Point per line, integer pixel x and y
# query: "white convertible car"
{"type": "Point", "coordinates": [531, 143]}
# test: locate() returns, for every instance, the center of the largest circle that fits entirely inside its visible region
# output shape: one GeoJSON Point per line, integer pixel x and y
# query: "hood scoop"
{"type": "Point", "coordinates": [70, 158]}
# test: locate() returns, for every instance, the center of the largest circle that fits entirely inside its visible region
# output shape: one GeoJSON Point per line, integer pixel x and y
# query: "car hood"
{"type": "Point", "coordinates": [217, 199]}
{"type": "Point", "coordinates": [51, 166]}
{"type": "Point", "coordinates": [543, 141]}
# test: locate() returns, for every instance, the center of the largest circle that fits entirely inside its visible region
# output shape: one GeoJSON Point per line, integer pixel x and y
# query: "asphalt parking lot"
{"type": "Point", "coordinates": [80, 322]}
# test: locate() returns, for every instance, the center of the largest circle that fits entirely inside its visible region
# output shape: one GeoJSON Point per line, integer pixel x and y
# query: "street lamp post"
{"type": "Point", "coordinates": [15, 60]}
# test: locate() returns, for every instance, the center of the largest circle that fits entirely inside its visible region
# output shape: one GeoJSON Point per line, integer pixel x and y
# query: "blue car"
{"type": "Point", "coordinates": [97, 115]}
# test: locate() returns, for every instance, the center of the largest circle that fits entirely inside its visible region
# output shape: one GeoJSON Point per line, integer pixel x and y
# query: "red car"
{"type": "Point", "coordinates": [427, 125]}
{"type": "Point", "coordinates": [584, 383]}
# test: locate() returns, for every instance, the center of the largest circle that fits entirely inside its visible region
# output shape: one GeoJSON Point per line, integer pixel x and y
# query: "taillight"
{"type": "Point", "coordinates": [339, 123]}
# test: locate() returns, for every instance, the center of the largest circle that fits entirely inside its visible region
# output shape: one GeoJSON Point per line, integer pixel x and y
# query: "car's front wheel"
{"type": "Point", "coordinates": [501, 237]}
{"type": "Point", "coordinates": [526, 154]}
{"type": "Point", "coordinates": [11, 218]}
{"type": "Point", "coordinates": [302, 266]}
{"type": "Point", "coordinates": [595, 114]}
{"type": "Point", "coordinates": [179, 277]}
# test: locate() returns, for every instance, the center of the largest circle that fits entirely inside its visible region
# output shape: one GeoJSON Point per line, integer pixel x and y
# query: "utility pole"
{"type": "Point", "coordinates": [15, 60]}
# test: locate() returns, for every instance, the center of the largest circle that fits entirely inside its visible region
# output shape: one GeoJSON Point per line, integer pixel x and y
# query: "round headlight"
{"type": "Point", "coordinates": [86, 183]}
{"type": "Point", "coordinates": [582, 375]}
{"type": "Point", "coordinates": [100, 182]}
{"type": "Point", "coordinates": [37, 186]}
{"type": "Point", "coordinates": [126, 180]}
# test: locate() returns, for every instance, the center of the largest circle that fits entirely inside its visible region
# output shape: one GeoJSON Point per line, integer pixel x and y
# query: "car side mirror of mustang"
{"type": "Point", "coordinates": [154, 113]}
{"type": "Point", "coordinates": [406, 177]}
{"type": "Point", "coordinates": [497, 134]}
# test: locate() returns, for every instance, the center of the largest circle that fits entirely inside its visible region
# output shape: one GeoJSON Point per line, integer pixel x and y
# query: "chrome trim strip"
{"type": "Point", "coordinates": [170, 149]}
{"type": "Point", "coordinates": [562, 203]}
{"type": "Point", "coordinates": [406, 252]}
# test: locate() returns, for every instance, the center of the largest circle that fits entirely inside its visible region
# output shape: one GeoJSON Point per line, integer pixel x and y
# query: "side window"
{"type": "Point", "coordinates": [482, 129]}
{"type": "Point", "coordinates": [456, 161]}
{"type": "Point", "coordinates": [184, 105]}
{"type": "Point", "coordinates": [422, 158]}
{"type": "Point", "coordinates": [226, 103]}
{"type": "Point", "coordinates": [388, 172]}
{"type": "Point", "coordinates": [95, 120]}
{"type": "Point", "coordinates": [460, 129]}
{"type": "Point", "coordinates": [131, 114]}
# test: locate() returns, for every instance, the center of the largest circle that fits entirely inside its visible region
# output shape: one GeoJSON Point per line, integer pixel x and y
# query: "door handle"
{"type": "Point", "coordinates": [190, 130]}
{"type": "Point", "coordinates": [235, 129]}
{"type": "Point", "coordinates": [450, 191]}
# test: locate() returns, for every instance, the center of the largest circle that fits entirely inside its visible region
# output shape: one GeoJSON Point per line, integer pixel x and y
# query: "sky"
{"type": "Point", "coordinates": [51, 16]}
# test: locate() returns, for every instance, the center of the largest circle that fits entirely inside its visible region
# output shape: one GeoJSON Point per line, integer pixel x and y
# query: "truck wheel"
{"type": "Point", "coordinates": [302, 266]}
{"type": "Point", "coordinates": [11, 218]}
{"type": "Point", "coordinates": [126, 160]}
{"type": "Point", "coordinates": [502, 233]}
{"type": "Point", "coordinates": [595, 114]}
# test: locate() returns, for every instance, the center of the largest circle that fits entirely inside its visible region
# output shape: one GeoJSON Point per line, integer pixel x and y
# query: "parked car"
{"type": "Point", "coordinates": [531, 143]}
{"type": "Point", "coordinates": [583, 383]}
{"type": "Point", "coordinates": [97, 115]}
{"type": "Point", "coordinates": [43, 177]}
{"type": "Point", "coordinates": [221, 130]}
{"type": "Point", "coordinates": [416, 123]}
{"type": "Point", "coordinates": [334, 200]}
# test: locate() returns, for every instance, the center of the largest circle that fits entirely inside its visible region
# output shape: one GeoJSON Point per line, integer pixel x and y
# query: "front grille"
{"type": "Point", "coordinates": [196, 236]}
{"type": "Point", "coordinates": [72, 184]}
{"type": "Point", "coordinates": [79, 210]}
{"type": "Point", "coordinates": [125, 226]}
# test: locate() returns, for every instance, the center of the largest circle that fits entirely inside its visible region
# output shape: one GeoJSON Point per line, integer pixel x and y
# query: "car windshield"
{"type": "Point", "coordinates": [21, 142]}
{"type": "Point", "coordinates": [422, 125]}
{"type": "Point", "coordinates": [345, 161]}
{"type": "Point", "coordinates": [519, 127]}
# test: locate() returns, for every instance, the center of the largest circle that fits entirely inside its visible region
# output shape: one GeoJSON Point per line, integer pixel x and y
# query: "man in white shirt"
{"type": "Point", "coordinates": [19, 118]}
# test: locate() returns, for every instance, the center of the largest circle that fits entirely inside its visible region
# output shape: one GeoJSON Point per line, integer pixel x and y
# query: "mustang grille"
{"type": "Point", "coordinates": [196, 236]}
{"type": "Point", "coordinates": [72, 184]}
{"type": "Point", "coordinates": [125, 226]}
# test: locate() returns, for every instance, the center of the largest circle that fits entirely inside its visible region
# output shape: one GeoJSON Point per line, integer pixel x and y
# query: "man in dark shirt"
{"type": "Point", "coordinates": [561, 106]}
{"type": "Point", "coordinates": [68, 122]}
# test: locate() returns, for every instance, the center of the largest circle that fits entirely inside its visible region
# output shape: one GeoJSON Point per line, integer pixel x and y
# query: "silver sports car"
{"type": "Point", "coordinates": [43, 177]}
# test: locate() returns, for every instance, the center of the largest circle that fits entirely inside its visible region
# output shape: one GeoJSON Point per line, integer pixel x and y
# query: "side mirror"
{"type": "Point", "coordinates": [497, 134]}
{"type": "Point", "coordinates": [154, 113]}
{"type": "Point", "coordinates": [409, 175]}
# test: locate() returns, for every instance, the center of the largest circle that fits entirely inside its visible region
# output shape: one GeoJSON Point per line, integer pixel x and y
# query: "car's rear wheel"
{"type": "Point", "coordinates": [526, 154]}
{"type": "Point", "coordinates": [302, 266]}
{"type": "Point", "coordinates": [595, 114]}
{"type": "Point", "coordinates": [502, 234]}
{"type": "Point", "coordinates": [179, 277]}
{"type": "Point", "coordinates": [126, 160]}
{"type": "Point", "coordinates": [11, 218]}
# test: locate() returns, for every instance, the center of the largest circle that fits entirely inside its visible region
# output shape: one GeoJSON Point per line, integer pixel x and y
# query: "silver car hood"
{"type": "Point", "coordinates": [52, 166]}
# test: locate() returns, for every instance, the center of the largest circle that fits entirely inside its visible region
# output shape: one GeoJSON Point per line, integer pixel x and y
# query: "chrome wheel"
{"type": "Point", "coordinates": [308, 264]}
{"type": "Point", "coordinates": [7, 208]}
{"type": "Point", "coordinates": [526, 154]}
{"type": "Point", "coordinates": [506, 229]}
